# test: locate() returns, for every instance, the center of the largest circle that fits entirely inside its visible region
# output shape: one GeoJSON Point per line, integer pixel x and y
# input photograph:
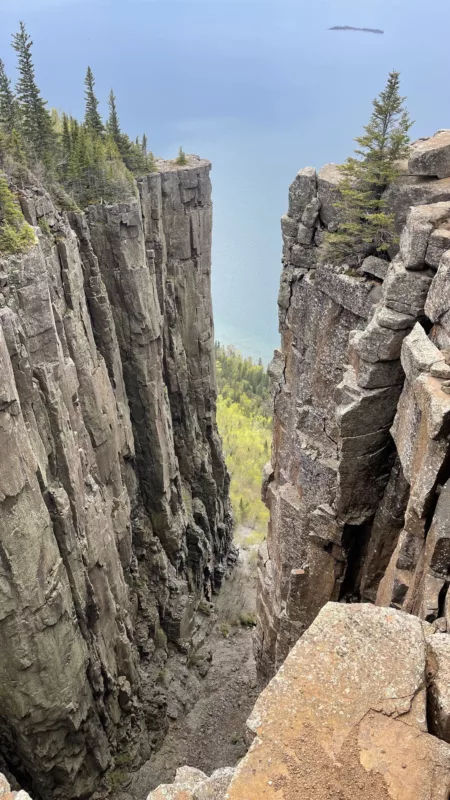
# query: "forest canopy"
{"type": "Point", "coordinates": [245, 424]}
{"type": "Point", "coordinates": [79, 161]}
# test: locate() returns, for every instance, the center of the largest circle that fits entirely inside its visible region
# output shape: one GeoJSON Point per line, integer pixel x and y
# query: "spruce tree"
{"type": "Point", "coordinates": [181, 158]}
{"type": "Point", "coordinates": [112, 125]}
{"type": "Point", "coordinates": [8, 106]}
{"type": "Point", "coordinates": [92, 118]}
{"type": "Point", "coordinates": [365, 225]}
{"type": "Point", "coordinates": [36, 120]}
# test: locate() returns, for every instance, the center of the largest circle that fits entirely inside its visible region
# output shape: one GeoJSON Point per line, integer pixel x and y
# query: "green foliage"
{"type": "Point", "coordinates": [35, 119]}
{"type": "Point", "coordinates": [16, 236]}
{"type": "Point", "coordinates": [181, 157]}
{"type": "Point", "coordinates": [112, 125]}
{"type": "Point", "coordinates": [242, 381]}
{"type": "Point", "coordinates": [247, 620]}
{"type": "Point", "coordinates": [44, 226]}
{"type": "Point", "coordinates": [245, 425]}
{"type": "Point", "coordinates": [160, 639]}
{"type": "Point", "coordinates": [92, 118]}
{"type": "Point", "coordinates": [8, 105]}
{"type": "Point", "coordinates": [80, 163]}
{"type": "Point", "coordinates": [366, 226]}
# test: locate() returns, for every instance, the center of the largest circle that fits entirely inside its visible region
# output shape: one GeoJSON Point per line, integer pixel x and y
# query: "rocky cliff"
{"type": "Point", "coordinates": [114, 511]}
{"type": "Point", "coordinates": [358, 486]}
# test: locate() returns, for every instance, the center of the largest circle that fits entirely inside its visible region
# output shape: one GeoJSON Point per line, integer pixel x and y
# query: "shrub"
{"type": "Point", "coordinates": [160, 639]}
{"type": "Point", "coordinates": [16, 236]}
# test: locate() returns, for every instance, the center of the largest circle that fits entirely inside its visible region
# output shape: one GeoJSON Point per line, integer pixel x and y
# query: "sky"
{"type": "Point", "coordinates": [260, 87]}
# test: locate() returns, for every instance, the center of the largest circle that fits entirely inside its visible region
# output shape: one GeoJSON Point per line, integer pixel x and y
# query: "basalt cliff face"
{"type": "Point", "coordinates": [358, 486]}
{"type": "Point", "coordinates": [114, 511]}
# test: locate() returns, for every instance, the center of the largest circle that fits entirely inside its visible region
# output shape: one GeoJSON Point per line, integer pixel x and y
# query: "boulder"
{"type": "Point", "coordinates": [419, 354]}
{"type": "Point", "coordinates": [437, 303]}
{"type": "Point", "coordinates": [345, 716]}
{"type": "Point", "coordinates": [301, 192]}
{"type": "Point", "coordinates": [431, 156]}
{"type": "Point", "coordinates": [328, 180]}
{"type": "Point", "coordinates": [421, 222]}
{"type": "Point", "coordinates": [439, 690]}
{"type": "Point", "coordinates": [375, 266]}
{"type": "Point", "coordinates": [438, 243]}
{"type": "Point", "coordinates": [192, 784]}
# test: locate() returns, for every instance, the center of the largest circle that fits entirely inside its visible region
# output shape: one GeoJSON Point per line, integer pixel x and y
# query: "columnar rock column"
{"type": "Point", "coordinates": [114, 510]}
{"type": "Point", "coordinates": [338, 485]}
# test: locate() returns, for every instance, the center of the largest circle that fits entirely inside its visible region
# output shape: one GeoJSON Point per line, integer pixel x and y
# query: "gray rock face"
{"type": "Point", "coordinates": [432, 156]}
{"type": "Point", "coordinates": [361, 443]}
{"type": "Point", "coordinates": [114, 510]}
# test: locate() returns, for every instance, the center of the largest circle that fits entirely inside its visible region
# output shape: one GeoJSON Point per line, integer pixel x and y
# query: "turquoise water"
{"type": "Point", "coordinates": [260, 87]}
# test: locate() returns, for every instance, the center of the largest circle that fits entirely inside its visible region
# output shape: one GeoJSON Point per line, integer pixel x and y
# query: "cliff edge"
{"type": "Point", "coordinates": [358, 483]}
{"type": "Point", "coordinates": [114, 511]}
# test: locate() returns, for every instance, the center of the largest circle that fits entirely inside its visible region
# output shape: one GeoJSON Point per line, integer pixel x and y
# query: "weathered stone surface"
{"type": "Point", "coordinates": [411, 190]}
{"type": "Point", "coordinates": [420, 224]}
{"type": "Point", "coordinates": [302, 192]}
{"type": "Point", "coordinates": [114, 511]}
{"type": "Point", "coordinates": [345, 715]}
{"type": "Point", "coordinates": [439, 688]}
{"type": "Point", "coordinates": [6, 792]}
{"type": "Point", "coordinates": [431, 156]}
{"type": "Point", "coordinates": [328, 179]}
{"type": "Point", "coordinates": [438, 244]}
{"type": "Point", "coordinates": [352, 432]}
{"type": "Point", "coordinates": [375, 266]}
{"type": "Point", "coordinates": [192, 784]}
{"type": "Point", "coordinates": [419, 354]}
{"type": "Point", "coordinates": [437, 306]}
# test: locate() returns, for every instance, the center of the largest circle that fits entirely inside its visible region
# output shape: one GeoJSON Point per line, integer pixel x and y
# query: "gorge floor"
{"type": "Point", "coordinates": [212, 734]}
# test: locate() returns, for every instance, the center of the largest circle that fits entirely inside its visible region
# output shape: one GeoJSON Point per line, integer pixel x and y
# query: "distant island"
{"type": "Point", "coordinates": [350, 28]}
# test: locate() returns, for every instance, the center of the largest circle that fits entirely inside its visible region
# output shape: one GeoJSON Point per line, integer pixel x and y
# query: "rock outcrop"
{"type": "Point", "coordinates": [114, 510]}
{"type": "Point", "coordinates": [358, 483]}
{"type": "Point", "coordinates": [359, 709]}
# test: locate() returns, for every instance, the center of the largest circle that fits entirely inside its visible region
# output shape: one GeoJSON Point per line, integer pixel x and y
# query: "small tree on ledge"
{"type": "Point", "coordinates": [365, 225]}
{"type": "Point", "coordinates": [181, 158]}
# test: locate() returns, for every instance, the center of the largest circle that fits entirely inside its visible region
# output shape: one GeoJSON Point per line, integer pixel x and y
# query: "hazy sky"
{"type": "Point", "coordinates": [259, 86]}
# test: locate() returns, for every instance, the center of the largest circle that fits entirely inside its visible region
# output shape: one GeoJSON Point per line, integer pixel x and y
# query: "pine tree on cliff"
{"type": "Point", "coordinates": [8, 105]}
{"type": "Point", "coordinates": [36, 120]}
{"type": "Point", "coordinates": [92, 118]}
{"type": "Point", "coordinates": [366, 226]}
{"type": "Point", "coordinates": [181, 157]}
{"type": "Point", "coordinates": [112, 125]}
{"type": "Point", "coordinates": [144, 144]}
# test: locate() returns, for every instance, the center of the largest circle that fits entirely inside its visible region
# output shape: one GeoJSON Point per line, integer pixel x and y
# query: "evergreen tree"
{"type": "Point", "coordinates": [66, 136]}
{"type": "Point", "coordinates": [112, 125]}
{"type": "Point", "coordinates": [36, 120]}
{"type": "Point", "coordinates": [92, 118]}
{"type": "Point", "coordinates": [366, 226]}
{"type": "Point", "coordinates": [8, 105]}
{"type": "Point", "coordinates": [144, 145]}
{"type": "Point", "coordinates": [181, 158]}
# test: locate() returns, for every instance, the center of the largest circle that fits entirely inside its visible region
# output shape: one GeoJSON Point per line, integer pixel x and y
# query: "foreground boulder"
{"type": "Point", "coordinates": [346, 716]}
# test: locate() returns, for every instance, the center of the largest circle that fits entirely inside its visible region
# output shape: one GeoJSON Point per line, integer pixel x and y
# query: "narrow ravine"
{"type": "Point", "coordinates": [213, 734]}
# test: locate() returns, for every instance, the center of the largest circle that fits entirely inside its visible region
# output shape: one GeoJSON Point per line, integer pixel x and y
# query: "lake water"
{"type": "Point", "coordinates": [260, 87]}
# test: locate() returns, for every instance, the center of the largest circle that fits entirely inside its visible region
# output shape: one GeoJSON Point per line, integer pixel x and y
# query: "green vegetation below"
{"type": "Point", "coordinates": [245, 425]}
